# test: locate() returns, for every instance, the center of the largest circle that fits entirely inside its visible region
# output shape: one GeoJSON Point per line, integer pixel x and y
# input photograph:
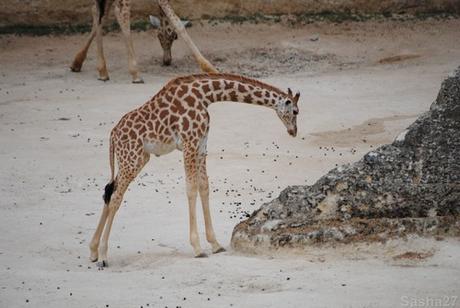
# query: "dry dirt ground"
{"type": "Point", "coordinates": [360, 84]}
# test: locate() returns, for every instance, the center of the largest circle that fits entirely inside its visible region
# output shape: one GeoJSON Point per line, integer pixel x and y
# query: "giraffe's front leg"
{"type": "Point", "coordinates": [190, 162]}
{"type": "Point", "coordinates": [204, 196]}
{"type": "Point", "coordinates": [101, 64]}
{"type": "Point", "coordinates": [122, 13]}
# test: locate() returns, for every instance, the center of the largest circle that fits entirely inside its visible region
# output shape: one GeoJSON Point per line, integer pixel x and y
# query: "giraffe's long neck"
{"type": "Point", "coordinates": [244, 90]}
{"type": "Point", "coordinates": [225, 87]}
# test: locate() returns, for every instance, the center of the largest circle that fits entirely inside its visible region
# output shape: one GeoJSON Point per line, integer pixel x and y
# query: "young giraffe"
{"type": "Point", "coordinates": [166, 35]}
{"type": "Point", "coordinates": [177, 118]}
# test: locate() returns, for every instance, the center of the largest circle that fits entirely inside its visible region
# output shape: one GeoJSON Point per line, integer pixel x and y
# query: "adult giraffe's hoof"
{"type": "Point", "coordinates": [105, 78]}
{"type": "Point", "coordinates": [102, 264]}
{"type": "Point", "coordinates": [138, 80]}
{"type": "Point", "coordinates": [220, 249]}
{"type": "Point", "coordinates": [75, 69]}
{"type": "Point", "coordinates": [201, 255]}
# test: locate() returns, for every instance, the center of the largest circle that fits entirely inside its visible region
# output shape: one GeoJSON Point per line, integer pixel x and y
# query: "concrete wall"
{"type": "Point", "coordinates": [52, 12]}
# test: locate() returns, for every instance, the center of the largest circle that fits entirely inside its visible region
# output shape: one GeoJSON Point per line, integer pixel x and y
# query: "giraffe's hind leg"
{"type": "Point", "coordinates": [94, 245]}
{"type": "Point", "coordinates": [81, 55]}
{"type": "Point", "coordinates": [125, 176]}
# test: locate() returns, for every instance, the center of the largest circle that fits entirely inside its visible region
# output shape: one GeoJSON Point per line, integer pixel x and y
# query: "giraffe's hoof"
{"type": "Point", "coordinates": [201, 255]}
{"type": "Point", "coordinates": [138, 80]}
{"type": "Point", "coordinates": [102, 264]}
{"type": "Point", "coordinates": [220, 249]}
{"type": "Point", "coordinates": [106, 78]}
{"type": "Point", "coordinates": [93, 258]}
{"type": "Point", "coordinates": [75, 69]}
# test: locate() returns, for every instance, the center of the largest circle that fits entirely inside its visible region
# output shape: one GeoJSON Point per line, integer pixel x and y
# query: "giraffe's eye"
{"type": "Point", "coordinates": [296, 112]}
{"type": "Point", "coordinates": [288, 102]}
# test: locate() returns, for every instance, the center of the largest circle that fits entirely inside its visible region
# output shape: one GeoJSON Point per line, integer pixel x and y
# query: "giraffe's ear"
{"type": "Point", "coordinates": [296, 97]}
{"type": "Point", "coordinates": [155, 21]}
{"type": "Point", "coordinates": [289, 92]}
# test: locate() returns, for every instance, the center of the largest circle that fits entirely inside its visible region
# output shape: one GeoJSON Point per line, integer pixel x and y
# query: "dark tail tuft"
{"type": "Point", "coordinates": [101, 7]}
{"type": "Point", "coordinates": [108, 191]}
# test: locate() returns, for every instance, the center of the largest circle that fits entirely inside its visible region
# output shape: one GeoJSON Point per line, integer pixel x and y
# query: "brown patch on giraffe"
{"type": "Point", "coordinates": [248, 99]}
{"type": "Point", "coordinates": [242, 88]}
{"type": "Point", "coordinates": [195, 125]}
{"type": "Point", "coordinates": [190, 100]}
{"type": "Point", "coordinates": [258, 93]}
{"type": "Point", "coordinates": [142, 130]}
{"type": "Point", "coordinates": [228, 85]}
{"type": "Point", "coordinates": [163, 114]}
{"type": "Point", "coordinates": [216, 85]}
{"type": "Point", "coordinates": [219, 97]}
{"type": "Point", "coordinates": [206, 88]}
{"type": "Point", "coordinates": [149, 125]}
{"type": "Point", "coordinates": [192, 114]}
{"type": "Point", "coordinates": [233, 96]}
{"type": "Point", "coordinates": [132, 134]}
{"type": "Point", "coordinates": [185, 123]}
{"type": "Point", "coordinates": [198, 117]}
{"type": "Point", "coordinates": [173, 119]}
{"type": "Point", "coordinates": [197, 93]}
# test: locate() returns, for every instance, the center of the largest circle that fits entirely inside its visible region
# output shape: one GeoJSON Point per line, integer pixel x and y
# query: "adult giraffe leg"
{"type": "Point", "coordinates": [81, 55]}
{"type": "Point", "coordinates": [190, 163]}
{"type": "Point", "coordinates": [101, 64]}
{"type": "Point", "coordinates": [203, 186]}
{"type": "Point", "coordinates": [123, 179]}
{"type": "Point", "coordinates": [122, 14]}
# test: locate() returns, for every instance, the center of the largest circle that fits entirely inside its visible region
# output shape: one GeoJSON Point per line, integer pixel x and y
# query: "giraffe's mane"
{"type": "Point", "coordinates": [226, 76]}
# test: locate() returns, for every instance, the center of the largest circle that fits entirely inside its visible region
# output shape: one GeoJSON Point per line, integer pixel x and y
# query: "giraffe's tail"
{"type": "Point", "coordinates": [110, 188]}
{"type": "Point", "coordinates": [101, 9]}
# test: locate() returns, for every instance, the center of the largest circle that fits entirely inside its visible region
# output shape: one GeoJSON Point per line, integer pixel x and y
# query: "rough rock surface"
{"type": "Point", "coordinates": [409, 186]}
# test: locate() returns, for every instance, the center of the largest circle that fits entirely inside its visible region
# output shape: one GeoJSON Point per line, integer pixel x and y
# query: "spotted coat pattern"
{"type": "Point", "coordinates": [177, 118]}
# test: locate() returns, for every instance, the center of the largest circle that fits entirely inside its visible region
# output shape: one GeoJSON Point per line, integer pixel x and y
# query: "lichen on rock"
{"type": "Point", "coordinates": [411, 186]}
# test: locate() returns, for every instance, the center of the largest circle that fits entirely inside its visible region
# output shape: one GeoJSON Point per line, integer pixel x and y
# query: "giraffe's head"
{"type": "Point", "coordinates": [166, 35]}
{"type": "Point", "coordinates": [287, 111]}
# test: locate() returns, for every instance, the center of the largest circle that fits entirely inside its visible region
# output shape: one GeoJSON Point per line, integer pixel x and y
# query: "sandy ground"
{"type": "Point", "coordinates": [54, 127]}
